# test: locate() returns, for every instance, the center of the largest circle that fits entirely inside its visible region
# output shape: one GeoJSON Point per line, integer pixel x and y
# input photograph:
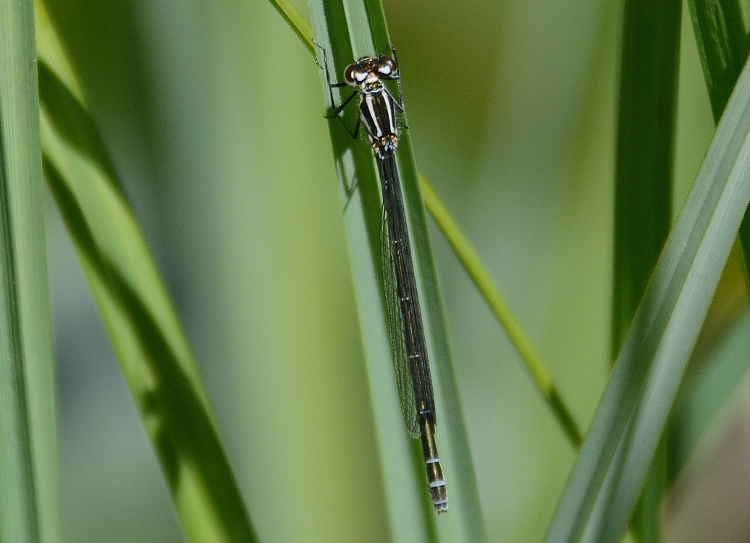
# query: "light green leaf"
{"type": "Point", "coordinates": [29, 487]}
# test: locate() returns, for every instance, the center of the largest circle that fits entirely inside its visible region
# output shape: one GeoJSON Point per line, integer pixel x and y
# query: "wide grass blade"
{"type": "Point", "coordinates": [348, 32]}
{"type": "Point", "coordinates": [29, 487]}
{"type": "Point", "coordinates": [723, 48]}
{"type": "Point", "coordinates": [600, 495]}
{"type": "Point", "coordinates": [142, 325]}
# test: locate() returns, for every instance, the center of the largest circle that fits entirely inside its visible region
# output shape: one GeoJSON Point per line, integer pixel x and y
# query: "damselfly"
{"type": "Point", "coordinates": [378, 111]}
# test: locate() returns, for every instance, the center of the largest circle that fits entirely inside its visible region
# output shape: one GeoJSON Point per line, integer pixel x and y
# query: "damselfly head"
{"type": "Point", "coordinates": [369, 70]}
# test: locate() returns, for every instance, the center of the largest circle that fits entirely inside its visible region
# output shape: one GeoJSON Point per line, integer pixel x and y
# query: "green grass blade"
{"type": "Point", "coordinates": [481, 278]}
{"type": "Point", "coordinates": [296, 21]}
{"type": "Point", "coordinates": [29, 486]}
{"type": "Point", "coordinates": [723, 48]}
{"type": "Point", "coordinates": [143, 327]}
{"type": "Point", "coordinates": [600, 495]}
{"type": "Point", "coordinates": [349, 32]}
{"type": "Point", "coordinates": [645, 151]}
{"type": "Point", "coordinates": [643, 186]}
{"type": "Point", "coordinates": [403, 488]}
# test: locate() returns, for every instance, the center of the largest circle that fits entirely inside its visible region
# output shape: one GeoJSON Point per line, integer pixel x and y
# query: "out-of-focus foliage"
{"type": "Point", "coordinates": [213, 115]}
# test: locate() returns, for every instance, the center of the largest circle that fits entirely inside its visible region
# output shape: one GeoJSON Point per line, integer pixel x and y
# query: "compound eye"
{"type": "Point", "coordinates": [388, 66]}
{"type": "Point", "coordinates": [349, 74]}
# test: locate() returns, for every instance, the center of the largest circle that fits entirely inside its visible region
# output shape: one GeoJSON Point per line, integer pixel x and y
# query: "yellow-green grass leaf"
{"type": "Point", "coordinates": [146, 334]}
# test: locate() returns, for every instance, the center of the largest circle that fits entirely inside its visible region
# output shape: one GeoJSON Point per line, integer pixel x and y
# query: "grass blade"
{"type": "Point", "coordinates": [643, 186]}
{"type": "Point", "coordinates": [478, 274]}
{"type": "Point", "coordinates": [29, 487]}
{"type": "Point", "coordinates": [481, 278]}
{"type": "Point", "coordinates": [645, 150]}
{"type": "Point", "coordinates": [723, 48]}
{"type": "Point", "coordinates": [145, 332]}
{"type": "Point", "coordinates": [348, 33]}
{"type": "Point", "coordinates": [296, 21]}
{"type": "Point", "coordinates": [599, 497]}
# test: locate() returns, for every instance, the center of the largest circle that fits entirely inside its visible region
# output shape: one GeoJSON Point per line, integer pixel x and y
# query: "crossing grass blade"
{"type": "Point", "coordinates": [723, 48]}
{"type": "Point", "coordinates": [500, 308]}
{"type": "Point", "coordinates": [608, 475]}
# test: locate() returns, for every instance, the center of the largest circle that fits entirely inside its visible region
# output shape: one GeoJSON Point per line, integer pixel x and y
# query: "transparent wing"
{"type": "Point", "coordinates": [396, 332]}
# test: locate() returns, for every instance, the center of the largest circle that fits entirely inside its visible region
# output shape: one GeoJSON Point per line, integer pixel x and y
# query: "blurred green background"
{"type": "Point", "coordinates": [213, 115]}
